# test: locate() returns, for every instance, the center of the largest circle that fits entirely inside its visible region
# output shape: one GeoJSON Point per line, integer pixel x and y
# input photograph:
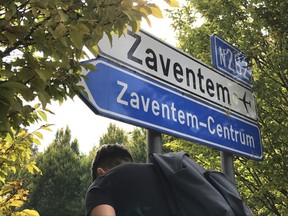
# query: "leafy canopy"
{"type": "Point", "coordinates": [41, 45]}
{"type": "Point", "coordinates": [259, 30]}
{"type": "Point", "coordinates": [42, 41]}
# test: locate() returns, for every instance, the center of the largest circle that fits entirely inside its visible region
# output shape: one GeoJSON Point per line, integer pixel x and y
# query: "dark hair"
{"type": "Point", "coordinates": [109, 156]}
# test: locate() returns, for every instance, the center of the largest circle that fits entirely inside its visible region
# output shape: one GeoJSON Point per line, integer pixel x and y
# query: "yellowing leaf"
{"type": "Point", "coordinates": [36, 141]}
{"type": "Point", "coordinates": [36, 106]}
{"type": "Point", "coordinates": [13, 157]}
{"type": "Point", "coordinates": [36, 169]}
{"type": "Point", "coordinates": [13, 169]}
{"type": "Point", "coordinates": [2, 179]}
{"type": "Point", "coordinates": [94, 50]}
{"type": "Point", "coordinates": [30, 212]}
{"type": "Point", "coordinates": [16, 203]}
{"type": "Point", "coordinates": [128, 15]}
{"type": "Point", "coordinates": [135, 24]}
{"type": "Point", "coordinates": [156, 11]}
{"type": "Point", "coordinates": [172, 3]}
{"type": "Point", "coordinates": [29, 167]}
{"type": "Point", "coordinates": [43, 115]}
{"type": "Point", "coordinates": [38, 134]}
{"type": "Point", "coordinates": [9, 138]}
{"type": "Point", "coordinates": [147, 20]}
{"type": "Point", "coordinates": [46, 127]}
{"type": "Point", "coordinates": [145, 10]}
{"type": "Point", "coordinates": [6, 188]}
{"type": "Point", "coordinates": [32, 168]}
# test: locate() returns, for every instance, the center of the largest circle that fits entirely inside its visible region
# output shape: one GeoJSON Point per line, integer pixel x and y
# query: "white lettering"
{"type": "Point", "coordinates": [209, 120]}
{"type": "Point", "coordinates": [145, 103]}
{"type": "Point", "coordinates": [122, 92]}
{"type": "Point", "coordinates": [181, 117]}
{"type": "Point", "coordinates": [193, 119]}
{"type": "Point", "coordinates": [170, 112]}
{"type": "Point", "coordinates": [134, 102]}
{"type": "Point", "coordinates": [155, 107]}
{"type": "Point", "coordinates": [219, 130]}
{"type": "Point", "coordinates": [173, 109]}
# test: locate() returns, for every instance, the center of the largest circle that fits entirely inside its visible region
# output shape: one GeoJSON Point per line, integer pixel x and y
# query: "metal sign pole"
{"type": "Point", "coordinates": [227, 165]}
{"type": "Point", "coordinates": [154, 142]}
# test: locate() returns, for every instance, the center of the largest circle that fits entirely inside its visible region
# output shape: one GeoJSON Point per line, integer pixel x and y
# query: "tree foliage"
{"type": "Point", "coordinates": [15, 157]}
{"type": "Point", "coordinates": [59, 190]}
{"type": "Point", "coordinates": [41, 43]}
{"type": "Point", "coordinates": [134, 141]}
{"type": "Point", "coordinates": [137, 145]}
{"type": "Point", "coordinates": [258, 29]}
{"type": "Point", "coordinates": [114, 135]}
{"type": "Point", "coordinates": [207, 157]}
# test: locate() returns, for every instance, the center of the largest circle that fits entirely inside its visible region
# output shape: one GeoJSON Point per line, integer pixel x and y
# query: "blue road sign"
{"type": "Point", "coordinates": [122, 94]}
{"type": "Point", "coordinates": [229, 60]}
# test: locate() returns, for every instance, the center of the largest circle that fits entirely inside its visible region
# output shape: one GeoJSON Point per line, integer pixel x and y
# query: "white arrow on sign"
{"type": "Point", "coordinates": [154, 58]}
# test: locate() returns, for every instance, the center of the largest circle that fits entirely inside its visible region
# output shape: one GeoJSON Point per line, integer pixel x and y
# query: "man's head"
{"type": "Point", "coordinates": [109, 156]}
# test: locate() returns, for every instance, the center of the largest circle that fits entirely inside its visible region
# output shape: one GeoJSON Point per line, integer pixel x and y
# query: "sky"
{"type": "Point", "coordinates": [84, 124]}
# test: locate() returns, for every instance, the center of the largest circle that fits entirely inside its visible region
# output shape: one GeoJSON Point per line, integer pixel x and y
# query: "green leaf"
{"type": "Point", "coordinates": [28, 94]}
{"type": "Point", "coordinates": [64, 16]}
{"type": "Point", "coordinates": [109, 35]}
{"type": "Point", "coordinates": [5, 74]}
{"type": "Point", "coordinates": [135, 24]}
{"type": "Point", "coordinates": [77, 38]}
{"type": "Point", "coordinates": [83, 28]}
{"type": "Point", "coordinates": [10, 37]}
{"type": "Point", "coordinates": [89, 66]}
{"type": "Point", "coordinates": [60, 30]}
{"type": "Point", "coordinates": [44, 98]}
{"type": "Point", "coordinates": [38, 84]}
{"type": "Point", "coordinates": [41, 74]}
{"type": "Point", "coordinates": [7, 96]}
{"type": "Point", "coordinates": [13, 85]}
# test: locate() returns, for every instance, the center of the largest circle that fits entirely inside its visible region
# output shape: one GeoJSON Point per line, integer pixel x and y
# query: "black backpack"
{"type": "Point", "coordinates": [192, 190]}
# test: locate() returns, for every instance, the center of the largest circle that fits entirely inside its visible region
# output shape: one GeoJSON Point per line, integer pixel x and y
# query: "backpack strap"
{"type": "Point", "coordinates": [166, 187]}
{"type": "Point", "coordinates": [229, 191]}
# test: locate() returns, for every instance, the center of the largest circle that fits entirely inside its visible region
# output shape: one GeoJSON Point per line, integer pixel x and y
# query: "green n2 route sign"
{"type": "Point", "coordinates": [230, 60]}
